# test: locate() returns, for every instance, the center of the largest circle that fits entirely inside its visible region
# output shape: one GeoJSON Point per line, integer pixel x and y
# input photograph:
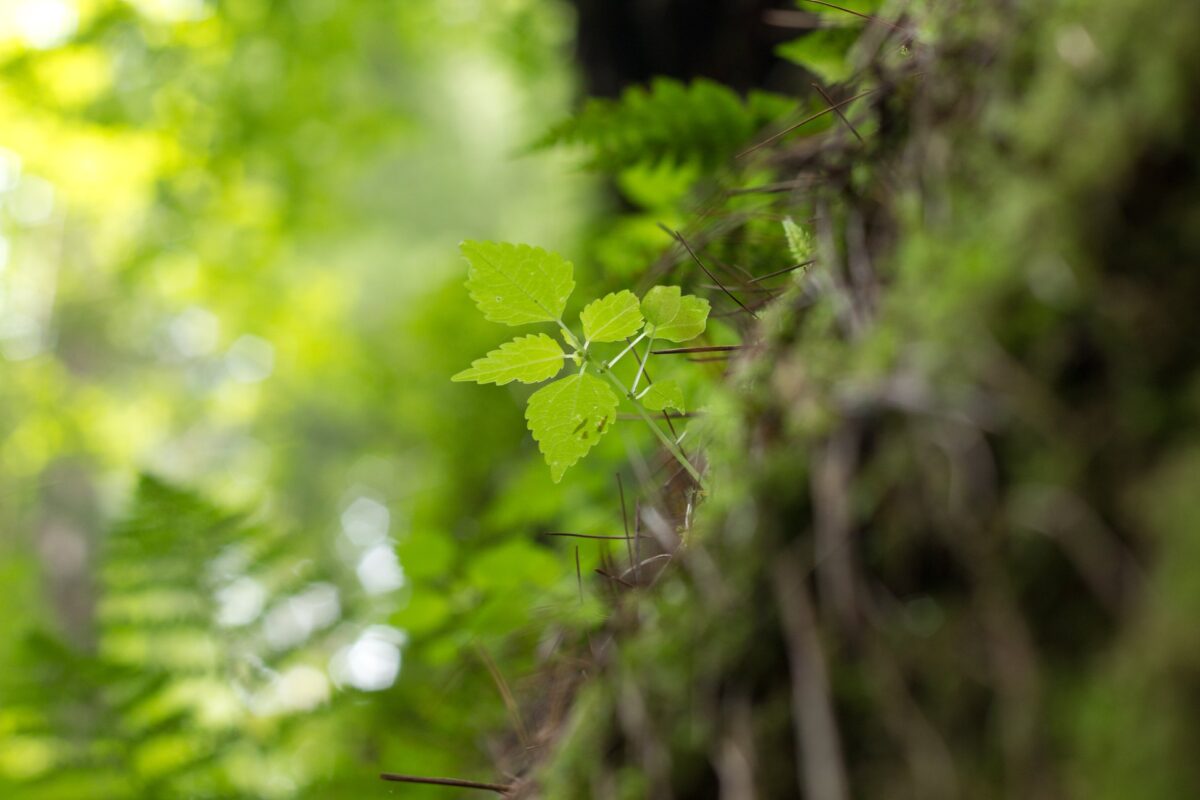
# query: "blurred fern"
{"type": "Point", "coordinates": [702, 123]}
{"type": "Point", "coordinates": [828, 51]}
{"type": "Point", "coordinates": [164, 708]}
{"type": "Point", "coordinates": [825, 52]}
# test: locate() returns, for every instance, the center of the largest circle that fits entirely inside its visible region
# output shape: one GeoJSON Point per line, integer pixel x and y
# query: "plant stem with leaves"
{"type": "Point", "coordinates": [517, 285]}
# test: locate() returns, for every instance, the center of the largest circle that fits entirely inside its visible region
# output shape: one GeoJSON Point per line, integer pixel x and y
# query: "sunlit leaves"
{"type": "Point", "coordinates": [612, 317]}
{"type": "Point", "coordinates": [568, 417]}
{"type": "Point", "coordinates": [516, 284]}
{"type": "Point", "coordinates": [661, 304]}
{"type": "Point", "coordinates": [528, 359]}
{"type": "Point", "coordinates": [663, 395]}
{"type": "Point", "coordinates": [519, 284]}
{"type": "Point", "coordinates": [674, 316]}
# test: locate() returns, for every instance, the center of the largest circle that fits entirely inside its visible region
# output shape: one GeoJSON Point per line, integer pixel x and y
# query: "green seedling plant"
{"type": "Point", "coordinates": [517, 284]}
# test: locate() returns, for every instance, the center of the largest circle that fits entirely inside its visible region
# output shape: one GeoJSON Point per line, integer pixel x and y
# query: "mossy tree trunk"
{"type": "Point", "coordinates": [952, 550]}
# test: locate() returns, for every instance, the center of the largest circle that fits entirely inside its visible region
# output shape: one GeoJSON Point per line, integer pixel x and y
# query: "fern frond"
{"type": "Point", "coordinates": [135, 720]}
{"type": "Point", "coordinates": [702, 123]}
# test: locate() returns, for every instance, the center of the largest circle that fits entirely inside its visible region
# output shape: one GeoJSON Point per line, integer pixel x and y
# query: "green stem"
{"type": "Point", "coordinates": [666, 440]}
{"type": "Point", "coordinates": [642, 366]}
{"type": "Point", "coordinates": [622, 354]}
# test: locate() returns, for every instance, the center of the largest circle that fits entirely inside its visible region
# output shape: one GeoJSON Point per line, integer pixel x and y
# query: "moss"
{"type": "Point", "coordinates": [990, 483]}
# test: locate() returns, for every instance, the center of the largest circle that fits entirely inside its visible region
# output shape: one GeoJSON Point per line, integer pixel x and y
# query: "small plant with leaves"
{"type": "Point", "coordinates": [518, 284]}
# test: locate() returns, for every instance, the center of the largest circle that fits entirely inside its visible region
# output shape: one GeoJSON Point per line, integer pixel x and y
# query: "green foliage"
{"type": "Point", "coordinates": [661, 304]}
{"type": "Point", "coordinates": [674, 316]}
{"type": "Point", "coordinates": [1068, 375]}
{"type": "Point", "coordinates": [157, 712]}
{"type": "Point", "coordinates": [611, 318]}
{"type": "Point", "coordinates": [824, 52]}
{"type": "Point", "coordinates": [516, 284]}
{"type": "Point", "coordinates": [701, 123]}
{"type": "Point", "coordinates": [568, 417]}
{"type": "Point", "coordinates": [799, 241]}
{"type": "Point", "coordinates": [827, 52]}
{"type": "Point", "coordinates": [282, 175]}
{"type": "Point", "coordinates": [663, 395]}
{"type": "Point", "coordinates": [528, 359]}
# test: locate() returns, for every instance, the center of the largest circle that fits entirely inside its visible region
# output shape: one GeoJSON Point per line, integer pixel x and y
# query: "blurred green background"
{"type": "Point", "coordinates": [228, 261]}
{"type": "Point", "coordinates": [255, 544]}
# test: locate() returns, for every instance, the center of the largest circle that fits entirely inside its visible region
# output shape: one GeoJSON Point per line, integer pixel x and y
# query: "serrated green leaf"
{"type": "Point", "coordinates": [663, 395]}
{"type": "Point", "coordinates": [674, 316]}
{"type": "Point", "coordinates": [799, 241]}
{"type": "Point", "coordinates": [516, 284]}
{"type": "Point", "coordinates": [528, 359]}
{"type": "Point", "coordinates": [612, 317]}
{"type": "Point", "coordinates": [568, 417]}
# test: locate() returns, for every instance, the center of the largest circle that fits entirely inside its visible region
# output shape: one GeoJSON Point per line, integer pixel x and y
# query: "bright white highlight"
{"type": "Point", "coordinates": [372, 663]}
{"type": "Point", "coordinates": [300, 688]}
{"type": "Point", "coordinates": [379, 570]}
{"type": "Point", "coordinates": [194, 332]}
{"type": "Point", "coordinates": [240, 603]}
{"type": "Point", "coordinates": [292, 621]}
{"type": "Point", "coordinates": [44, 23]}
{"type": "Point", "coordinates": [32, 201]}
{"type": "Point", "coordinates": [365, 522]}
{"type": "Point", "coordinates": [10, 169]}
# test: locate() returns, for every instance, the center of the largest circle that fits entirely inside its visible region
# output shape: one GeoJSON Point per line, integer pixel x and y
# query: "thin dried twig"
{"type": "Point", "coordinates": [677, 236]}
{"type": "Point", "coordinates": [631, 417]}
{"type": "Point", "coordinates": [747, 288]}
{"type": "Point", "coordinates": [841, 116]}
{"type": "Point", "coordinates": [458, 783]}
{"type": "Point", "coordinates": [612, 577]}
{"type": "Point", "coordinates": [860, 15]}
{"type": "Point", "coordinates": [649, 560]}
{"type": "Point", "coordinates": [637, 541]}
{"type": "Point", "coordinates": [578, 574]}
{"type": "Point", "coordinates": [783, 271]}
{"type": "Point", "coordinates": [710, 348]}
{"type": "Point", "coordinates": [755, 306]}
{"type": "Point", "coordinates": [625, 520]}
{"type": "Point", "coordinates": [585, 536]}
{"type": "Point", "coordinates": [773, 188]}
{"type": "Point", "coordinates": [803, 122]}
